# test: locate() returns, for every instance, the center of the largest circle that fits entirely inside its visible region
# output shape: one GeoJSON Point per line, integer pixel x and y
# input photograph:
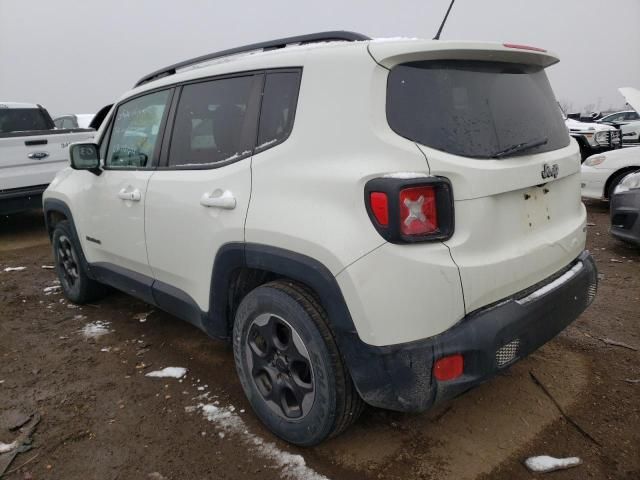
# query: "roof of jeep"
{"type": "Point", "coordinates": [380, 49]}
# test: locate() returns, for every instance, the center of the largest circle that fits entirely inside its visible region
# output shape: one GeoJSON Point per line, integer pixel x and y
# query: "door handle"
{"type": "Point", "coordinates": [219, 199]}
{"type": "Point", "coordinates": [131, 195]}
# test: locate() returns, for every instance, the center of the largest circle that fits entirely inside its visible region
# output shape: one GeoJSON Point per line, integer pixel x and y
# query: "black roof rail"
{"type": "Point", "coordinates": [338, 35]}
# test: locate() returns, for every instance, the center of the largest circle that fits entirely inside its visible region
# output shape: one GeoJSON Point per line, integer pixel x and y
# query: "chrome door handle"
{"type": "Point", "coordinates": [131, 195]}
{"type": "Point", "coordinates": [219, 199]}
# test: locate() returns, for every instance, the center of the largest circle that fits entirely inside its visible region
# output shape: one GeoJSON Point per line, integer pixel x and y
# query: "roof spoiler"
{"type": "Point", "coordinates": [262, 46]}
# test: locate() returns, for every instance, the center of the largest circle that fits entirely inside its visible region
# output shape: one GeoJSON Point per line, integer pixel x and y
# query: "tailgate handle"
{"type": "Point", "coordinates": [33, 143]}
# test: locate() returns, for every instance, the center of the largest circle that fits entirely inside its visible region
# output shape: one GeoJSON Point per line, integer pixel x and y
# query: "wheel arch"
{"type": "Point", "coordinates": [240, 267]}
{"type": "Point", "coordinates": [618, 174]}
{"type": "Point", "coordinates": [56, 211]}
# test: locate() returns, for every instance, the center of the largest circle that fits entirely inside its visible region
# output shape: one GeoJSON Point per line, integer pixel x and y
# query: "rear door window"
{"type": "Point", "coordinates": [475, 109]}
{"type": "Point", "coordinates": [278, 108]}
{"type": "Point", "coordinates": [22, 120]}
{"type": "Point", "coordinates": [215, 122]}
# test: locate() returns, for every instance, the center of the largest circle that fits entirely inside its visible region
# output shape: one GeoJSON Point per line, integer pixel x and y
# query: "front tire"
{"type": "Point", "coordinates": [76, 284]}
{"type": "Point", "coordinates": [289, 365]}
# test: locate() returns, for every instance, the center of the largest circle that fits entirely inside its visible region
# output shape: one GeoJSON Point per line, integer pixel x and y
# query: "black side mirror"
{"type": "Point", "coordinates": [85, 156]}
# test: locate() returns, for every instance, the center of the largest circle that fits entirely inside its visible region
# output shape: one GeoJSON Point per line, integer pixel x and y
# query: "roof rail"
{"type": "Point", "coordinates": [270, 45]}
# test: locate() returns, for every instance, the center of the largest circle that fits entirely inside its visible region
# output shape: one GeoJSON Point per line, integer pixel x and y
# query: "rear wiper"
{"type": "Point", "coordinates": [520, 147]}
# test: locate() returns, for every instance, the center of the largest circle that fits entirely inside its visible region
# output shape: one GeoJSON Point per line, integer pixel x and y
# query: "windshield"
{"type": "Point", "coordinates": [475, 109]}
{"type": "Point", "coordinates": [22, 120]}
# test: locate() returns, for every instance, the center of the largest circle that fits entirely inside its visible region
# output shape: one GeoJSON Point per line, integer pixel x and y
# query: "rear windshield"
{"type": "Point", "coordinates": [22, 119]}
{"type": "Point", "coordinates": [475, 109]}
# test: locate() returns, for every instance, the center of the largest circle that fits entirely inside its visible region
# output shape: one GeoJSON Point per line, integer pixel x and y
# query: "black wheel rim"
{"type": "Point", "coordinates": [67, 262]}
{"type": "Point", "coordinates": [280, 366]}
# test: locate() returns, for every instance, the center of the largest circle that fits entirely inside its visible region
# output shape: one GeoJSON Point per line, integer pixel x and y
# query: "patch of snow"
{"type": "Point", "coordinates": [393, 39]}
{"type": "Point", "coordinates": [95, 329]}
{"type": "Point", "coordinates": [14, 269]}
{"type": "Point", "coordinates": [168, 372]}
{"type": "Point", "coordinates": [292, 466]}
{"type": "Point", "coordinates": [545, 463]}
{"type": "Point", "coordinates": [7, 447]}
{"type": "Point", "coordinates": [266, 144]}
{"type": "Point", "coordinates": [105, 349]}
{"type": "Point", "coordinates": [48, 267]}
{"type": "Point", "coordinates": [142, 317]}
{"type": "Point", "coordinates": [52, 289]}
{"type": "Point", "coordinates": [405, 175]}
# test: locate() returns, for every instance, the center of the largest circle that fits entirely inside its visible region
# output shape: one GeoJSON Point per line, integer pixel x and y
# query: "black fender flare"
{"type": "Point", "coordinates": [392, 377]}
{"type": "Point", "coordinates": [55, 205]}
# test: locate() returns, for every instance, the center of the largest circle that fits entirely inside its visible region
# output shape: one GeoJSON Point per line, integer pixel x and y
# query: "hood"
{"type": "Point", "coordinates": [576, 126]}
{"type": "Point", "coordinates": [632, 96]}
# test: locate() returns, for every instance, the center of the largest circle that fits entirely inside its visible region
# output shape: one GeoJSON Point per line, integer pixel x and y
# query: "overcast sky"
{"type": "Point", "coordinates": [74, 56]}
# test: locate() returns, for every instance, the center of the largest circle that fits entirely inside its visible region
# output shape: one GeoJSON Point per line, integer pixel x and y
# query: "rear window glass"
{"type": "Point", "coordinates": [212, 123]}
{"type": "Point", "coordinates": [475, 109]}
{"type": "Point", "coordinates": [22, 120]}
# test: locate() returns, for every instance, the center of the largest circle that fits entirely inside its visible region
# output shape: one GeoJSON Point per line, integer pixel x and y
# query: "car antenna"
{"type": "Point", "coordinates": [444, 20]}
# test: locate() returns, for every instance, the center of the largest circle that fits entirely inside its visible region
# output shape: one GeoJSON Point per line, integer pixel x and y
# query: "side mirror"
{"type": "Point", "coordinates": [85, 156]}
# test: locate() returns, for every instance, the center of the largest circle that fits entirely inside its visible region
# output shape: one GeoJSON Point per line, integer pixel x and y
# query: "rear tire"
{"type": "Point", "coordinates": [290, 367]}
{"type": "Point", "coordinates": [76, 284]}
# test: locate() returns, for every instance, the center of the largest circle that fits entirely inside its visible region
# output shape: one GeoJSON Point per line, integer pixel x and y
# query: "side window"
{"type": "Point", "coordinates": [278, 108]}
{"type": "Point", "coordinates": [58, 122]}
{"type": "Point", "coordinates": [213, 122]}
{"type": "Point", "coordinates": [68, 122]}
{"type": "Point", "coordinates": [134, 133]}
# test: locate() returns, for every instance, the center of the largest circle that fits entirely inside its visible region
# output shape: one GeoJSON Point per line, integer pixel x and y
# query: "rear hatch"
{"type": "Point", "coordinates": [486, 118]}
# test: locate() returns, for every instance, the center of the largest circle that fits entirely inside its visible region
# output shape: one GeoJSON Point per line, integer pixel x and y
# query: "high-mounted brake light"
{"type": "Point", "coordinates": [407, 210]}
{"type": "Point", "coordinates": [523, 47]}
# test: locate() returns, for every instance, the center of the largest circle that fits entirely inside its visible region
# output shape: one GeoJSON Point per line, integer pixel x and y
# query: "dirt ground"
{"type": "Point", "coordinates": [102, 418]}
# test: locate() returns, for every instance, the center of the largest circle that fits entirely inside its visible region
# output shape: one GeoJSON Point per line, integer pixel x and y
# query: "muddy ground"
{"type": "Point", "coordinates": [102, 418]}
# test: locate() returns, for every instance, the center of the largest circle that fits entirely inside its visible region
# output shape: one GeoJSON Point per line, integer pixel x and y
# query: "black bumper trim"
{"type": "Point", "coordinates": [399, 377]}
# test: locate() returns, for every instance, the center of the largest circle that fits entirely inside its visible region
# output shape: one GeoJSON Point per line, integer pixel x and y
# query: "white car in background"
{"type": "Point", "coordinates": [593, 137]}
{"type": "Point", "coordinates": [80, 120]}
{"type": "Point", "coordinates": [627, 120]}
{"type": "Point", "coordinates": [601, 173]}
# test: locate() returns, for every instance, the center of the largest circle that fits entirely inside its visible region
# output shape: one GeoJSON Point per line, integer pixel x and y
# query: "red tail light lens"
{"type": "Point", "coordinates": [409, 210]}
{"type": "Point", "coordinates": [448, 368]}
{"type": "Point", "coordinates": [418, 211]}
{"type": "Point", "coordinates": [380, 207]}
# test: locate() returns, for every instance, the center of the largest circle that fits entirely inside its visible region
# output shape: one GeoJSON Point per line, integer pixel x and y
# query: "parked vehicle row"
{"type": "Point", "coordinates": [32, 151]}
{"type": "Point", "coordinates": [333, 206]}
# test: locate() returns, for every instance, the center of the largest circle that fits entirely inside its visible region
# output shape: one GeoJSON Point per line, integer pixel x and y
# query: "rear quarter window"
{"type": "Point", "coordinates": [475, 109]}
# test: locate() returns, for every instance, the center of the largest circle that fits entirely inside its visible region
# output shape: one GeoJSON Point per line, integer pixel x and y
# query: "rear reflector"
{"type": "Point", "coordinates": [448, 368]}
{"type": "Point", "coordinates": [523, 47]}
{"type": "Point", "coordinates": [380, 207]}
{"type": "Point", "coordinates": [418, 210]}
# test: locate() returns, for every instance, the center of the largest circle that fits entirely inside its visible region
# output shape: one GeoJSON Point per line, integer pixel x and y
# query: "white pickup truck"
{"type": "Point", "coordinates": [32, 151]}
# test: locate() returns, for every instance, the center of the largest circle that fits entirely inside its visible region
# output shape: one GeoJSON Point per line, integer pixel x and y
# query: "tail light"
{"type": "Point", "coordinates": [410, 210]}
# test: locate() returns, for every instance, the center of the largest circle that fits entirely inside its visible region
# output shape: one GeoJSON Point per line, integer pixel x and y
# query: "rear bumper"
{"type": "Point", "coordinates": [399, 377]}
{"type": "Point", "coordinates": [19, 199]}
{"type": "Point", "coordinates": [625, 216]}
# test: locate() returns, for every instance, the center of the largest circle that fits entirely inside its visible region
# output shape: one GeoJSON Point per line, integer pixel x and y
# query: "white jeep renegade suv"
{"type": "Point", "coordinates": [380, 222]}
